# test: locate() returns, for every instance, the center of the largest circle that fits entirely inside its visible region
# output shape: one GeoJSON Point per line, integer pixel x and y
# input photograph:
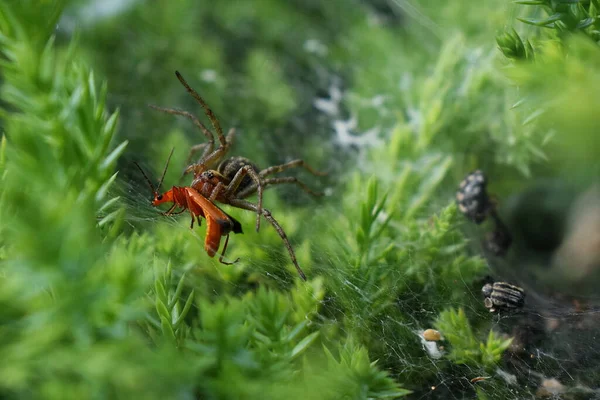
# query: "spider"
{"type": "Point", "coordinates": [232, 180]}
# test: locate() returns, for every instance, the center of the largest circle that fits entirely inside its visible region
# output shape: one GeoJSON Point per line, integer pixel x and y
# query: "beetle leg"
{"type": "Point", "coordinates": [223, 253]}
{"type": "Point", "coordinates": [246, 205]}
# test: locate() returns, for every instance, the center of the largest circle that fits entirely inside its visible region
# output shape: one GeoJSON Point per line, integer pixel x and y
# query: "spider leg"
{"type": "Point", "coordinates": [292, 164]}
{"type": "Point", "coordinates": [246, 205]}
{"type": "Point", "coordinates": [209, 113]}
{"type": "Point", "coordinates": [193, 150]}
{"type": "Point", "coordinates": [223, 253]}
{"type": "Point", "coordinates": [258, 186]}
{"type": "Point", "coordinates": [207, 161]}
{"type": "Point", "coordinates": [219, 187]}
{"type": "Point", "coordinates": [214, 157]}
{"type": "Point", "coordinates": [230, 136]}
{"type": "Point", "coordinates": [277, 181]}
{"type": "Point", "coordinates": [211, 140]}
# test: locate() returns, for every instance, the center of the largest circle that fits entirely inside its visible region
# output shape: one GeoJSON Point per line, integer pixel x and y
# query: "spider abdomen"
{"type": "Point", "coordinates": [228, 168]}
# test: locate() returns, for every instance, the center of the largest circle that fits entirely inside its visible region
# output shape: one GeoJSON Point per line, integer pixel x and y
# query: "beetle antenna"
{"type": "Point", "coordinates": [154, 191]}
{"type": "Point", "coordinates": [165, 170]}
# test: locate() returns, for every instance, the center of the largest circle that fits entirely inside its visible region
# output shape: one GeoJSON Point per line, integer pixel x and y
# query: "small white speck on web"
{"type": "Point", "coordinates": [382, 217]}
{"type": "Point", "coordinates": [331, 105]}
{"type": "Point", "coordinates": [327, 106]}
{"type": "Point", "coordinates": [343, 131]}
{"type": "Point", "coordinates": [208, 75]}
{"type": "Point", "coordinates": [93, 12]}
{"type": "Point", "coordinates": [508, 378]}
{"type": "Point", "coordinates": [406, 82]}
{"type": "Point", "coordinates": [551, 387]}
{"type": "Point", "coordinates": [415, 119]}
{"type": "Point", "coordinates": [378, 101]}
{"type": "Point", "coordinates": [315, 46]}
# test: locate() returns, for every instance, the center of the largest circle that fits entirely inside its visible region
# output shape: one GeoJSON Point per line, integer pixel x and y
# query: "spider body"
{"type": "Point", "coordinates": [472, 197]}
{"type": "Point", "coordinates": [502, 295]}
{"type": "Point", "coordinates": [232, 180]}
{"type": "Point", "coordinates": [232, 165]}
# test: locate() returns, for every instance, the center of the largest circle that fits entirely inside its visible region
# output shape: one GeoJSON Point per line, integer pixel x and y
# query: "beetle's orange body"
{"type": "Point", "coordinates": [218, 223]}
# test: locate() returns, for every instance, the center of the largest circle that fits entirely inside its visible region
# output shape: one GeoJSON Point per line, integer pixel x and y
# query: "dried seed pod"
{"type": "Point", "coordinates": [502, 295]}
{"type": "Point", "coordinates": [432, 335]}
{"type": "Point", "coordinates": [472, 198]}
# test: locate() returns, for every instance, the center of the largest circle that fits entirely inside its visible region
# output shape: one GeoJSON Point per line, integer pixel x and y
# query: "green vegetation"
{"type": "Point", "coordinates": [102, 297]}
{"type": "Point", "coordinates": [465, 347]}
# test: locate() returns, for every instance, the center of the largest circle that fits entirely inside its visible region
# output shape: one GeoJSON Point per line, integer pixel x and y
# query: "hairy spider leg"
{"type": "Point", "coordinates": [250, 190]}
{"type": "Point", "coordinates": [292, 164]}
{"type": "Point", "coordinates": [208, 161]}
{"type": "Point", "coordinates": [217, 187]}
{"type": "Point", "coordinates": [208, 147]}
{"type": "Point", "coordinates": [222, 149]}
{"type": "Point", "coordinates": [267, 214]}
{"type": "Point", "coordinates": [237, 179]}
{"type": "Point", "coordinates": [207, 110]}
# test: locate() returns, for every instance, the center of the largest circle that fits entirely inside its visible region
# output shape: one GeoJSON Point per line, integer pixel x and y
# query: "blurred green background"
{"type": "Point", "coordinates": [103, 297]}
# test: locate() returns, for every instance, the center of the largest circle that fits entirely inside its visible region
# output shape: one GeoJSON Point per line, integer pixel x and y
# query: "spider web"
{"type": "Point", "coordinates": [553, 351]}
